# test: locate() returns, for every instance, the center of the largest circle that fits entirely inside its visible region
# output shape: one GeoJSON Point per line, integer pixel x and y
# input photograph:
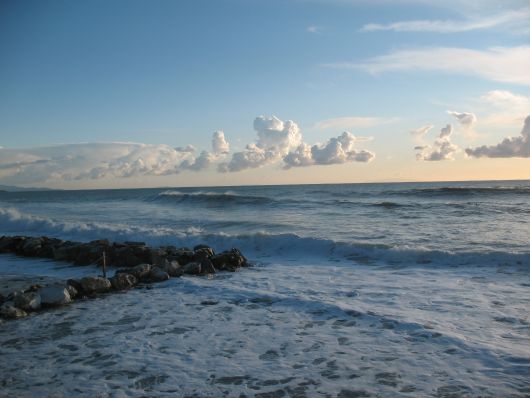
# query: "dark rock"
{"type": "Point", "coordinates": [6, 244]}
{"type": "Point", "coordinates": [76, 284]}
{"type": "Point", "coordinates": [229, 260]}
{"type": "Point", "coordinates": [157, 275]}
{"type": "Point", "coordinates": [68, 251]}
{"type": "Point", "coordinates": [54, 295]}
{"type": "Point", "coordinates": [173, 269]}
{"type": "Point", "coordinates": [140, 271]}
{"type": "Point", "coordinates": [31, 247]}
{"type": "Point", "coordinates": [73, 292]}
{"type": "Point", "coordinates": [2, 299]}
{"type": "Point", "coordinates": [123, 281]}
{"type": "Point", "coordinates": [192, 269]}
{"type": "Point", "coordinates": [9, 311]}
{"type": "Point", "coordinates": [95, 284]}
{"type": "Point", "coordinates": [183, 256]}
{"type": "Point", "coordinates": [202, 254]}
{"type": "Point", "coordinates": [157, 256]}
{"type": "Point", "coordinates": [207, 267]}
{"type": "Point", "coordinates": [27, 301]}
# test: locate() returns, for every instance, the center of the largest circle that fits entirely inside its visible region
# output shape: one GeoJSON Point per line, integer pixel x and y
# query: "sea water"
{"type": "Point", "coordinates": [384, 290]}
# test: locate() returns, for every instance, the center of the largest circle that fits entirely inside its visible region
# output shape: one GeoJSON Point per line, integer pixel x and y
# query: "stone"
{"type": "Point", "coordinates": [95, 284]}
{"type": "Point", "coordinates": [203, 253]}
{"type": "Point", "coordinates": [157, 275]}
{"type": "Point", "coordinates": [140, 271]}
{"type": "Point", "coordinates": [76, 284]}
{"type": "Point", "coordinates": [207, 267]}
{"type": "Point", "coordinates": [123, 281]}
{"type": "Point", "coordinates": [32, 246]}
{"type": "Point", "coordinates": [9, 311]}
{"type": "Point", "coordinates": [28, 301]}
{"type": "Point", "coordinates": [229, 260]}
{"type": "Point", "coordinates": [54, 295]}
{"type": "Point", "coordinates": [173, 269]}
{"type": "Point", "coordinates": [191, 269]}
{"type": "Point", "coordinates": [183, 256]}
{"type": "Point", "coordinates": [73, 292]}
{"type": "Point", "coordinates": [2, 298]}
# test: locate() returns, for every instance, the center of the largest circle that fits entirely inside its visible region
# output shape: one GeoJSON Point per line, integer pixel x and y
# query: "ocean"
{"type": "Point", "coordinates": [383, 290]}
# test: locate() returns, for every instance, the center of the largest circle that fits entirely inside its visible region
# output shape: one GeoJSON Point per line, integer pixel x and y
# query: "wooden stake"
{"type": "Point", "coordinates": [104, 265]}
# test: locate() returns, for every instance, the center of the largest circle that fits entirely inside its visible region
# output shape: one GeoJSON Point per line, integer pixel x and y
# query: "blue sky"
{"type": "Point", "coordinates": [173, 72]}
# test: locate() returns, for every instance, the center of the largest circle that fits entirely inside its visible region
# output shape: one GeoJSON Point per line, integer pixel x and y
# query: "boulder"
{"type": "Point", "coordinates": [73, 292]}
{"type": "Point", "coordinates": [8, 310]}
{"type": "Point", "coordinates": [32, 247]}
{"type": "Point", "coordinates": [229, 260]}
{"type": "Point", "coordinates": [28, 301]}
{"type": "Point", "coordinates": [140, 271]}
{"type": "Point", "coordinates": [95, 284]}
{"type": "Point", "coordinates": [182, 256]}
{"type": "Point", "coordinates": [75, 284]}
{"type": "Point", "coordinates": [172, 268]}
{"type": "Point", "coordinates": [207, 267]}
{"type": "Point", "coordinates": [202, 254]}
{"type": "Point", "coordinates": [2, 299]}
{"type": "Point", "coordinates": [123, 281]}
{"type": "Point", "coordinates": [54, 295]}
{"type": "Point", "coordinates": [157, 256]}
{"type": "Point", "coordinates": [192, 269]}
{"type": "Point", "coordinates": [157, 275]}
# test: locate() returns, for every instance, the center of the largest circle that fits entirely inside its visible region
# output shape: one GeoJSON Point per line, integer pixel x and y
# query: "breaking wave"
{"type": "Point", "coordinates": [260, 246]}
{"type": "Point", "coordinates": [210, 197]}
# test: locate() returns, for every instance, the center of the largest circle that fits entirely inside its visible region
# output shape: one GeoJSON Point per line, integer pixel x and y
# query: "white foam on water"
{"type": "Point", "coordinates": [288, 329]}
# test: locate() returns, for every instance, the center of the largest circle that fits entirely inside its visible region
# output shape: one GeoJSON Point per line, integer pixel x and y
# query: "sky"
{"type": "Point", "coordinates": [128, 93]}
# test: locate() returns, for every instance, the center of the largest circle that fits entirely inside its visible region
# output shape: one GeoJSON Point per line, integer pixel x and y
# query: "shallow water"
{"type": "Point", "coordinates": [283, 330]}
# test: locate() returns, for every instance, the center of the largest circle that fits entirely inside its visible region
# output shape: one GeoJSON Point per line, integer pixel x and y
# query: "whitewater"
{"type": "Point", "coordinates": [357, 290]}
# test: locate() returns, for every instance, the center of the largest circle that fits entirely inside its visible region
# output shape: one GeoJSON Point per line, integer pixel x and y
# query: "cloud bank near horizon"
{"type": "Point", "coordinates": [277, 142]}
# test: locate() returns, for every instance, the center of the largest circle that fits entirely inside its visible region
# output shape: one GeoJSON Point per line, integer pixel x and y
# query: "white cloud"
{"type": "Point", "coordinates": [88, 161]}
{"type": "Point", "coordinates": [420, 132]}
{"type": "Point", "coordinates": [465, 119]}
{"type": "Point", "coordinates": [503, 64]}
{"type": "Point", "coordinates": [275, 139]}
{"type": "Point", "coordinates": [334, 151]}
{"type": "Point", "coordinates": [509, 148]}
{"type": "Point", "coordinates": [349, 122]}
{"type": "Point", "coordinates": [504, 108]}
{"type": "Point", "coordinates": [69, 162]}
{"type": "Point", "coordinates": [511, 17]}
{"type": "Point", "coordinates": [442, 149]}
{"type": "Point", "coordinates": [219, 143]}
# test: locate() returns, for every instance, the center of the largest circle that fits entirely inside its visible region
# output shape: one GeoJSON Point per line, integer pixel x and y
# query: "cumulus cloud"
{"type": "Point", "coordinates": [503, 64]}
{"type": "Point", "coordinates": [334, 151]}
{"type": "Point", "coordinates": [511, 147]}
{"type": "Point", "coordinates": [275, 139]}
{"type": "Point", "coordinates": [442, 149]}
{"type": "Point", "coordinates": [465, 119]}
{"type": "Point", "coordinates": [219, 144]}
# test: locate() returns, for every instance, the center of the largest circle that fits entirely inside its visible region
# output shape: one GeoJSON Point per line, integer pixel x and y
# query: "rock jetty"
{"type": "Point", "coordinates": [137, 264]}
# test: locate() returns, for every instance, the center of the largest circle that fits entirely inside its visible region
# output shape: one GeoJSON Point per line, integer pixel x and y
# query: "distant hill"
{"type": "Point", "coordinates": [10, 188]}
